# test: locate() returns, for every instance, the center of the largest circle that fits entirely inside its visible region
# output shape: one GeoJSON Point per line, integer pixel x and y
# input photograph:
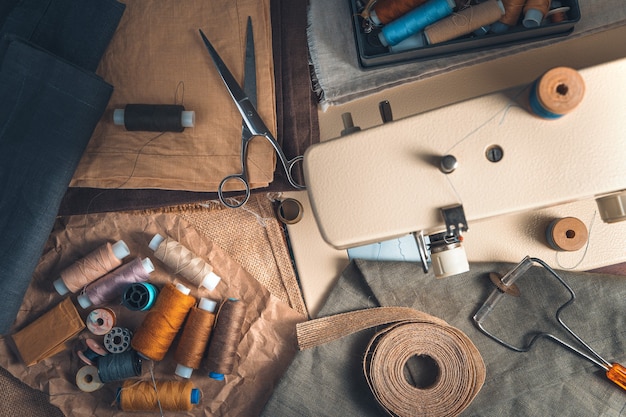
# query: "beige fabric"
{"type": "Point", "coordinates": [252, 236]}
{"type": "Point", "coordinates": [267, 344]}
{"type": "Point", "coordinates": [157, 57]}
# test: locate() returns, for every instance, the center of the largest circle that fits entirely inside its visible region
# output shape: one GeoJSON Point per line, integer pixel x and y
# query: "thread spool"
{"type": "Point", "coordinates": [99, 262]}
{"type": "Point", "coordinates": [113, 284]}
{"type": "Point", "coordinates": [289, 211]}
{"type": "Point", "coordinates": [119, 367]}
{"type": "Point", "coordinates": [558, 12]}
{"type": "Point", "coordinates": [222, 353]}
{"type": "Point", "coordinates": [567, 234]}
{"type": "Point", "coordinates": [167, 396]}
{"type": "Point", "coordinates": [534, 12]}
{"type": "Point", "coordinates": [556, 93]}
{"type": "Point", "coordinates": [156, 333]}
{"type": "Point", "coordinates": [87, 379]}
{"type": "Point", "coordinates": [382, 12]}
{"type": "Point", "coordinates": [139, 296]}
{"type": "Point", "coordinates": [415, 21]}
{"type": "Point", "coordinates": [91, 353]}
{"type": "Point", "coordinates": [184, 262]}
{"type": "Point", "coordinates": [512, 12]}
{"type": "Point", "coordinates": [464, 22]}
{"type": "Point", "coordinates": [118, 340]}
{"type": "Point", "coordinates": [154, 117]}
{"type": "Point", "coordinates": [195, 337]}
{"type": "Point", "coordinates": [100, 321]}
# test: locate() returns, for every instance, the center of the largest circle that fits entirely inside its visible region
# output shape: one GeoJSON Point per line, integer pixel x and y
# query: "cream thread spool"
{"type": "Point", "coordinates": [567, 234]}
{"type": "Point", "coordinates": [188, 265]}
{"type": "Point", "coordinates": [87, 379]}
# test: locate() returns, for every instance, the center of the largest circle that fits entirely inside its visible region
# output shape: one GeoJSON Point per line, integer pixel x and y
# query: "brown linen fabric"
{"type": "Point", "coordinates": [296, 116]}
{"type": "Point", "coordinates": [266, 348]}
{"type": "Point", "coordinates": [157, 57]}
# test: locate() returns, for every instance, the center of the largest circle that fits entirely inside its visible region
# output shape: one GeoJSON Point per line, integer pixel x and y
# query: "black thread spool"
{"type": "Point", "coordinates": [154, 117]}
{"type": "Point", "coordinates": [119, 366]}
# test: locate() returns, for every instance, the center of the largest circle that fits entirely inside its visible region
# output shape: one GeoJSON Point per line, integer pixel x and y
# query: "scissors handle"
{"type": "Point", "coordinates": [288, 164]}
{"type": "Point", "coordinates": [227, 202]}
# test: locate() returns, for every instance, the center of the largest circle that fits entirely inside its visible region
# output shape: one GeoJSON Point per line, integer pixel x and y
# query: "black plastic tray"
{"type": "Point", "coordinates": [371, 54]}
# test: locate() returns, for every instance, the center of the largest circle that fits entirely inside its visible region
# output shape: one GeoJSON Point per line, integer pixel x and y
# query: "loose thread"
{"type": "Point", "coordinates": [156, 333]}
{"type": "Point", "coordinates": [222, 353]}
{"type": "Point", "coordinates": [184, 262]}
{"type": "Point", "coordinates": [194, 338]}
{"type": "Point", "coordinates": [99, 262]}
{"type": "Point", "coordinates": [158, 396]}
{"type": "Point", "coordinates": [114, 283]}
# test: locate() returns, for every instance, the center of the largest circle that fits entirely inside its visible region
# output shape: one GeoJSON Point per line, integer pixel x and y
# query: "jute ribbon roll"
{"type": "Point", "coordinates": [411, 333]}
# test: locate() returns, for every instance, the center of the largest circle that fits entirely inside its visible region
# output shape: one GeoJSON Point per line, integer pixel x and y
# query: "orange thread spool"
{"type": "Point", "coordinates": [158, 329]}
{"type": "Point", "coordinates": [99, 262]}
{"type": "Point", "coordinates": [195, 337]}
{"type": "Point", "coordinates": [512, 11]}
{"type": "Point", "coordinates": [222, 352]}
{"type": "Point", "coordinates": [382, 12]}
{"type": "Point", "coordinates": [170, 395]}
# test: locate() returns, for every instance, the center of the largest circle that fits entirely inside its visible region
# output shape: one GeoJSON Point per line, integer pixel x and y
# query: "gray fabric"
{"type": "Point", "coordinates": [334, 55]}
{"type": "Point", "coordinates": [546, 381]}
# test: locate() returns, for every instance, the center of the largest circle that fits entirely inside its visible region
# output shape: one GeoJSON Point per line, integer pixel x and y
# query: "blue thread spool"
{"type": "Point", "coordinates": [140, 296]}
{"type": "Point", "coordinates": [415, 21]}
{"type": "Point", "coordinates": [556, 93]}
{"type": "Point", "coordinates": [119, 366]}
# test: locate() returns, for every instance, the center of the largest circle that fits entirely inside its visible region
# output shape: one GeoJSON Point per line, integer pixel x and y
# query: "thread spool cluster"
{"type": "Point", "coordinates": [402, 25]}
{"type": "Point", "coordinates": [102, 280]}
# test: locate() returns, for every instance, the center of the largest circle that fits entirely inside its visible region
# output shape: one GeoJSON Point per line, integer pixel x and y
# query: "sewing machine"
{"type": "Point", "coordinates": [574, 160]}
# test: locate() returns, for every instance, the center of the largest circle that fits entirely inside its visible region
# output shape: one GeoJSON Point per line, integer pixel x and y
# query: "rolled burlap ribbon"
{"type": "Point", "coordinates": [458, 366]}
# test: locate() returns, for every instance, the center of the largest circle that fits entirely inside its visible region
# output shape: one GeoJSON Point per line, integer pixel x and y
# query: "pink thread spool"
{"type": "Point", "coordinates": [113, 284]}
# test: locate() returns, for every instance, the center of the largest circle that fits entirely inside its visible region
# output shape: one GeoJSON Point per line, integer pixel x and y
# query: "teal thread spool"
{"type": "Point", "coordinates": [140, 296]}
{"type": "Point", "coordinates": [415, 21]}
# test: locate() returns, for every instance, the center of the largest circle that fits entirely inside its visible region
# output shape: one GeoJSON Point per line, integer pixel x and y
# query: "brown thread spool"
{"type": "Point", "coordinates": [557, 92]}
{"type": "Point", "coordinates": [195, 337]}
{"type": "Point", "coordinates": [381, 12]}
{"type": "Point", "coordinates": [158, 329]}
{"type": "Point", "coordinates": [99, 262]}
{"type": "Point", "coordinates": [464, 22]}
{"type": "Point", "coordinates": [567, 234]}
{"type": "Point", "coordinates": [222, 352]}
{"type": "Point", "coordinates": [512, 11]}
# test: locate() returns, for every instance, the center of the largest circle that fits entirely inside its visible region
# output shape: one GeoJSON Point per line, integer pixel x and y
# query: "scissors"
{"type": "Point", "coordinates": [253, 125]}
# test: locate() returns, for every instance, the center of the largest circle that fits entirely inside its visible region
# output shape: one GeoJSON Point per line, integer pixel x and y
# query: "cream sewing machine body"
{"type": "Point", "coordinates": [385, 182]}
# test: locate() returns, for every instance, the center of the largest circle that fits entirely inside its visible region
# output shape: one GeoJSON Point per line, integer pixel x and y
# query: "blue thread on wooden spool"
{"type": "Point", "coordinates": [415, 21]}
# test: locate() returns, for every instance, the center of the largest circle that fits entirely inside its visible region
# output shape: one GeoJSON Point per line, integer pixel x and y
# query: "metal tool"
{"type": "Point", "coordinates": [506, 285]}
{"type": "Point", "coordinates": [253, 125]}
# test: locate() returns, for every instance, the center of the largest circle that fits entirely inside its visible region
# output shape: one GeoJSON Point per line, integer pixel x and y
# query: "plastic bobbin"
{"type": "Point", "coordinates": [90, 355]}
{"type": "Point", "coordinates": [118, 340]}
{"type": "Point", "coordinates": [567, 234]}
{"type": "Point", "coordinates": [100, 321]}
{"type": "Point", "coordinates": [87, 379]}
{"type": "Point", "coordinates": [289, 211]}
{"type": "Point", "coordinates": [139, 296]}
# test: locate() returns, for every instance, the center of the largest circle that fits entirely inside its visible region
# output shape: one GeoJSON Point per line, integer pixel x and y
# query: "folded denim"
{"type": "Point", "coordinates": [51, 103]}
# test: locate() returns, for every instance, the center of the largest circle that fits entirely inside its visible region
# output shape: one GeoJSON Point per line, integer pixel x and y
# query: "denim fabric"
{"type": "Point", "coordinates": [546, 381]}
{"type": "Point", "coordinates": [50, 106]}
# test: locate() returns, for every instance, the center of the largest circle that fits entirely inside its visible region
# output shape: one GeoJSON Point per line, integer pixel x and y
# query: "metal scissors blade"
{"type": "Point", "coordinates": [253, 124]}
